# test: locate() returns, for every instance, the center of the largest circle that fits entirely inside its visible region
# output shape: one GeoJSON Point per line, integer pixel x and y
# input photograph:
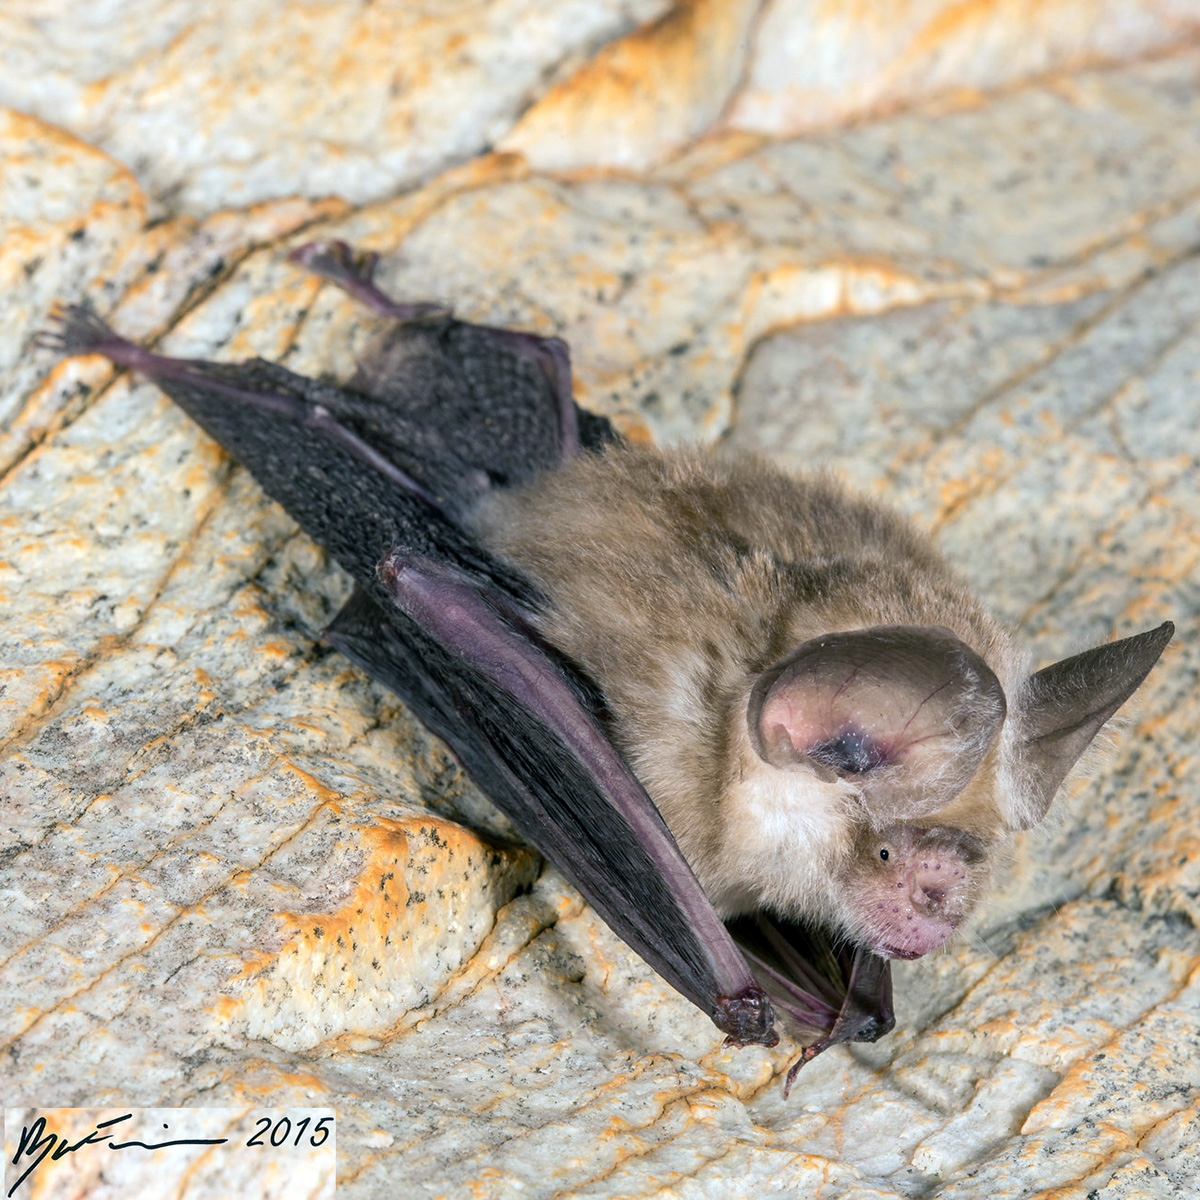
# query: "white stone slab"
{"type": "Point", "coordinates": [235, 873]}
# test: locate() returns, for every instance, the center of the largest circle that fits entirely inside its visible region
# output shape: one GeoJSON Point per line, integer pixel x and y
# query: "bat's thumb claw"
{"type": "Point", "coordinates": [747, 1018]}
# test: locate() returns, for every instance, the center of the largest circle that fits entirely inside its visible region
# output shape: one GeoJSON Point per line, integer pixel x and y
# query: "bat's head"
{"type": "Point", "coordinates": [921, 766]}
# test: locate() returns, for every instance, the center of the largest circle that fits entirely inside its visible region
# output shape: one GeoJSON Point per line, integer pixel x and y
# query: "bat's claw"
{"type": "Point", "coordinates": [809, 1053]}
{"type": "Point", "coordinates": [336, 261]}
{"type": "Point", "coordinates": [355, 273]}
{"type": "Point", "coordinates": [76, 329]}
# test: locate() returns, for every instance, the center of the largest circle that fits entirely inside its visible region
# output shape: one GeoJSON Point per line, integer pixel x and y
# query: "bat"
{"type": "Point", "coordinates": [757, 721]}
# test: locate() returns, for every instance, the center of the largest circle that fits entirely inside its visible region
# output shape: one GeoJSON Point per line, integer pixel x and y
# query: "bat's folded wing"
{"type": "Point", "coordinates": [515, 720]}
{"type": "Point", "coordinates": [826, 994]}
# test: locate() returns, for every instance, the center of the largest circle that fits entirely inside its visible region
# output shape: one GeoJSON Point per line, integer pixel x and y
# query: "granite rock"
{"type": "Point", "coordinates": [235, 873]}
{"type": "Point", "coordinates": [239, 101]}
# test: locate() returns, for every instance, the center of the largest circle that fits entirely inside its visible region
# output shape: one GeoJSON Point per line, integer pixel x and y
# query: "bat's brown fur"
{"type": "Point", "coordinates": [675, 578]}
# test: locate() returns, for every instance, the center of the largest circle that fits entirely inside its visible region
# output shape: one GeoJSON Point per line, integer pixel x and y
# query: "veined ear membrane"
{"type": "Point", "coordinates": [1060, 709]}
{"type": "Point", "coordinates": [906, 712]}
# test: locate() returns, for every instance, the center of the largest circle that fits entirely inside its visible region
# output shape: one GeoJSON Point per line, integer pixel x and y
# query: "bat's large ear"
{"type": "Point", "coordinates": [1059, 710]}
{"type": "Point", "coordinates": [906, 713]}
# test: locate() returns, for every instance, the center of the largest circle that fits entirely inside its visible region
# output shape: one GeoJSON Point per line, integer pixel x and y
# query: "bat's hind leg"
{"type": "Point", "coordinates": [78, 330]}
{"type": "Point", "coordinates": [355, 275]}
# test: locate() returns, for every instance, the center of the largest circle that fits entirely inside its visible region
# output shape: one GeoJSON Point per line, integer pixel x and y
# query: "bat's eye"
{"type": "Point", "coordinates": [884, 855]}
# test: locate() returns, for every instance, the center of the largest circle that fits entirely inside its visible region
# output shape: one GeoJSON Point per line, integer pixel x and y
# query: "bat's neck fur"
{"type": "Point", "coordinates": [675, 577]}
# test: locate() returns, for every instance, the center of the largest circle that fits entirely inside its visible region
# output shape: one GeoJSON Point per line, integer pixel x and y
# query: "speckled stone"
{"type": "Point", "coordinates": [237, 101]}
{"type": "Point", "coordinates": [235, 873]}
{"type": "Point", "coordinates": [782, 67]}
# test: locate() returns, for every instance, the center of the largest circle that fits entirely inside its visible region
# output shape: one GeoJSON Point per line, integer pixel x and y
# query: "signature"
{"type": "Point", "coordinates": [35, 1141]}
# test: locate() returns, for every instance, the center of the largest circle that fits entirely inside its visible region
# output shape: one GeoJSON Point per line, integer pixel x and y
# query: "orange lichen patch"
{"type": "Point", "coordinates": [517, 925]}
{"type": "Point", "coordinates": [382, 227]}
{"type": "Point", "coordinates": [1002, 1033]}
{"type": "Point", "coordinates": [279, 651]}
{"type": "Point", "coordinates": [632, 425]}
{"type": "Point", "coordinates": [1171, 882]}
{"type": "Point", "coordinates": [709, 154]}
{"type": "Point", "coordinates": [28, 692]}
{"type": "Point", "coordinates": [198, 474]}
{"type": "Point", "coordinates": [328, 798]}
{"type": "Point", "coordinates": [171, 261]}
{"type": "Point", "coordinates": [958, 20]}
{"type": "Point", "coordinates": [226, 1008]}
{"type": "Point", "coordinates": [955, 494]}
{"type": "Point", "coordinates": [303, 1081]}
{"type": "Point", "coordinates": [952, 495]}
{"type": "Point", "coordinates": [792, 293]}
{"type": "Point", "coordinates": [207, 693]}
{"type": "Point", "coordinates": [1180, 768]}
{"type": "Point", "coordinates": [485, 1185]}
{"type": "Point", "coordinates": [606, 115]}
{"type": "Point", "coordinates": [567, 904]}
{"type": "Point", "coordinates": [83, 371]}
{"type": "Point", "coordinates": [422, 902]}
{"type": "Point", "coordinates": [53, 144]}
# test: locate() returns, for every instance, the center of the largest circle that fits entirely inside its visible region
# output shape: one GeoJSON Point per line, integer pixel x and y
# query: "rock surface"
{"type": "Point", "coordinates": [235, 873]}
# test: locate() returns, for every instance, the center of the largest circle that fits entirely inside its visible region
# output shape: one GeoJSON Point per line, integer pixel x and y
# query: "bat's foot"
{"type": "Point", "coordinates": [78, 330]}
{"type": "Point", "coordinates": [337, 262]}
{"type": "Point", "coordinates": [354, 274]}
